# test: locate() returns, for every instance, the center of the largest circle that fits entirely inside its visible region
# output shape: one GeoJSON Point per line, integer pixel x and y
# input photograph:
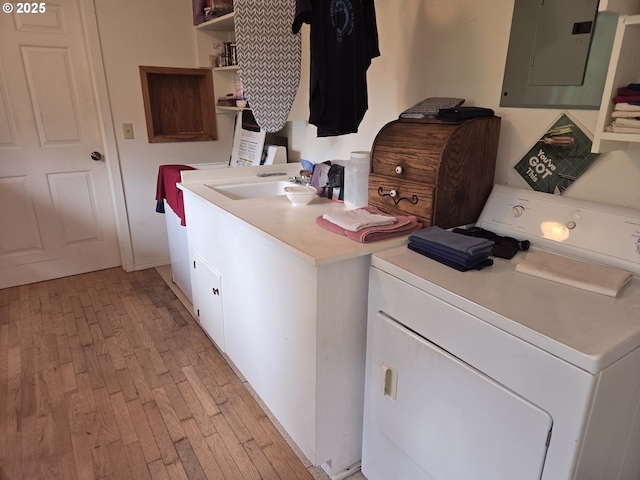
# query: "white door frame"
{"type": "Point", "coordinates": [111, 155]}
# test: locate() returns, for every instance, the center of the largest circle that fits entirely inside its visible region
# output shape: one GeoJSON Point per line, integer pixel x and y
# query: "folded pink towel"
{"type": "Point", "coordinates": [403, 225]}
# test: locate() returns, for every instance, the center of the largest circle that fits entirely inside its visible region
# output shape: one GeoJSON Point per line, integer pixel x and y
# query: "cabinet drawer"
{"type": "Point", "coordinates": [403, 166]}
{"type": "Point", "coordinates": [412, 198]}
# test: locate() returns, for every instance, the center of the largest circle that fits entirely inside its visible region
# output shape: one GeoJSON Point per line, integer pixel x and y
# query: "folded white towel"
{"type": "Point", "coordinates": [575, 273]}
{"type": "Point", "coordinates": [627, 107]}
{"type": "Point", "coordinates": [625, 114]}
{"type": "Point", "coordinates": [627, 122]}
{"type": "Point", "coordinates": [354, 220]}
{"type": "Point", "coordinates": [618, 129]}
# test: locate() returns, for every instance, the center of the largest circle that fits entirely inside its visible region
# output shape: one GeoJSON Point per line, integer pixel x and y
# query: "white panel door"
{"type": "Point", "coordinates": [449, 419]}
{"type": "Point", "coordinates": [56, 216]}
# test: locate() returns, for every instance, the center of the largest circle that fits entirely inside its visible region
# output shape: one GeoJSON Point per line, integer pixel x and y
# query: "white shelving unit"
{"type": "Point", "coordinates": [623, 7]}
{"type": "Point", "coordinates": [230, 109]}
{"type": "Point", "coordinates": [624, 69]}
{"type": "Point", "coordinates": [213, 33]}
{"type": "Point", "coordinates": [226, 69]}
{"type": "Point", "coordinates": [209, 37]}
{"type": "Point", "coordinates": [224, 23]}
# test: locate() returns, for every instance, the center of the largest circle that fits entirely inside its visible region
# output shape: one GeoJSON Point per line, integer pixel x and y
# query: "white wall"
{"type": "Point", "coordinates": [429, 48]}
{"type": "Point", "coordinates": [153, 33]}
{"type": "Point", "coordinates": [458, 48]}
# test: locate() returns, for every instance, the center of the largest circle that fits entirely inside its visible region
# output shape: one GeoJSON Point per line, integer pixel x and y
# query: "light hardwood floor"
{"type": "Point", "coordinates": [106, 375]}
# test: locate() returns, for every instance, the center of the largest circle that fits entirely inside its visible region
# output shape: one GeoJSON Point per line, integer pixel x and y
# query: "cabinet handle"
{"type": "Point", "coordinates": [389, 381]}
{"type": "Point", "coordinates": [394, 194]}
{"type": "Point", "coordinates": [216, 291]}
{"type": "Point", "coordinates": [399, 170]}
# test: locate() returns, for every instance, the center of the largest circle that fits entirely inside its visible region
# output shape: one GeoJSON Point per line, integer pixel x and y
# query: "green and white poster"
{"type": "Point", "coordinates": [558, 158]}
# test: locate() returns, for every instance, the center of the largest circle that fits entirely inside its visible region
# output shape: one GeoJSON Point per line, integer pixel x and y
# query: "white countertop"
{"type": "Point", "coordinates": [276, 218]}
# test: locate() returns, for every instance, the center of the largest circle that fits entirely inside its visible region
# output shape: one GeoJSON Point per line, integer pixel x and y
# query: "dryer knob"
{"type": "Point", "coordinates": [517, 210]}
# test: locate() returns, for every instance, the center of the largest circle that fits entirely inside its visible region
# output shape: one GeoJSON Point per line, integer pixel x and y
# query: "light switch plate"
{"type": "Point", "coordinates": [127, 130]}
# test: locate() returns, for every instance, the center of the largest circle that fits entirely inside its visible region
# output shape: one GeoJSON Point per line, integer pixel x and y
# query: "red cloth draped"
{"type": "Point", "coordinates": [168, 177]}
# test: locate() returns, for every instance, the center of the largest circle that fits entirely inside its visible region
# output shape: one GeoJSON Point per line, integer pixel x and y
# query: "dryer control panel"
{"type": "Point", "coordinates": [596, 232]}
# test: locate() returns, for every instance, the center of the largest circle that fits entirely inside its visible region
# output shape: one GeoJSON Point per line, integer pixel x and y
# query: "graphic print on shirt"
{"type": "Point", "coordinates": [341, 12]}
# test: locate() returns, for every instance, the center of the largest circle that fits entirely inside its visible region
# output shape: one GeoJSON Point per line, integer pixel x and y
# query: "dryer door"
{"type": "Point", "coordinates": [451, 420]}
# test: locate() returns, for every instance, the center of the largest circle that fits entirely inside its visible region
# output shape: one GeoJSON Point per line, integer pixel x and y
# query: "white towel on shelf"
{"type": "Point", "coordinates": [575, 273]}
{"type": "Point", "coordinates": [355, 220]}
{"type": "Point", "coordinates": [625, 114]}
{"type": "Point", "coordinates": [627, 122]}
{"type": "Point", "coordinates": [627, 107]}
{"type": "Point", "coordinates": [618, 129]}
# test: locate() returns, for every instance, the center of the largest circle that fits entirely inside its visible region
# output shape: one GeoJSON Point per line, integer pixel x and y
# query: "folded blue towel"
{"type": "Point", "coordinates": [461, 258]}
{"type": "Point", "coordinates": [484, 251]}
{"type": "Point", "coordinates": [461, 243]}
{"type": "Point", "coordinates": [461, 268]}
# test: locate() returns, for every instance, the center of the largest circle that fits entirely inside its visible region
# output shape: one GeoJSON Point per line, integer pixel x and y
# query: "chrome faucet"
{"type": "Point", "coordinates": [303, 179]}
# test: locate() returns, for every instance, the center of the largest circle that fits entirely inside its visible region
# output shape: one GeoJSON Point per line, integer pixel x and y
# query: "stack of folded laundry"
{"type": "Point", "coordinates": [368, 224]}
{"type": "Point", "coordinates": [455, 250]}
{"type": "Point", "coordinates": [626, 114]}
{"type": "Point", "coordinates": [429, 107]}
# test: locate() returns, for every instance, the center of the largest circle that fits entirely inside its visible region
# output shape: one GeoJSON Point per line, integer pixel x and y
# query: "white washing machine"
{"type": "Point", "coordinates": [499, 375]}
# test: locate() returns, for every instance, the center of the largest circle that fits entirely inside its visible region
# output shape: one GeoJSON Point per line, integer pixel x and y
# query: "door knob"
{"type": "Point", "coordinates": [96, 156]}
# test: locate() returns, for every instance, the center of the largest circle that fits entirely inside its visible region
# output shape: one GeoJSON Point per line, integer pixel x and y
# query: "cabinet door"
{"type": "Point", "coordinates": [207, 300]}
{"type": "Point", "coordinates": [450, 419]}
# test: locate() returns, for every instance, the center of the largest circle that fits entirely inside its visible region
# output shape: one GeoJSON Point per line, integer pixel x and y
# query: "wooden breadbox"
{"type": "Point", "coordinates": [440, 172]}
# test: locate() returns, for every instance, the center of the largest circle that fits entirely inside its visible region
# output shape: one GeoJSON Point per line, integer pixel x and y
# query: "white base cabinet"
{"type": "Point", "coordinates": [296, 331]}
{"type": "Point", "coordinates": [178, 252]}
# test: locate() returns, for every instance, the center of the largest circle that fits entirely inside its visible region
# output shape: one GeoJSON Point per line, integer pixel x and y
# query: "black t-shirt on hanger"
{"type": "Point", "coordinates": [344, 39]}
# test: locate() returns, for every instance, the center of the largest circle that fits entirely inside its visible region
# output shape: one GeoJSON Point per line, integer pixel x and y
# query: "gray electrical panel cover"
{"type": "Point", "coordinates": [558, 55]}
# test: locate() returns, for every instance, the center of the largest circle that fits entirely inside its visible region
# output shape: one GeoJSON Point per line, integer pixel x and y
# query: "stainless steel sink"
{"type": "Point", "coordinates": [242, 191]}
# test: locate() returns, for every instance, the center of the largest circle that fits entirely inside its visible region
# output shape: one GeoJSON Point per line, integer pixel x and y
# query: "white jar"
{"type": "Point", "coordinates": [356, 180]}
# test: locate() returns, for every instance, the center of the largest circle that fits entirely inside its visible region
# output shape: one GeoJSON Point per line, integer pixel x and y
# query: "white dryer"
{"type": "Point", "coordinates": [499, 375]}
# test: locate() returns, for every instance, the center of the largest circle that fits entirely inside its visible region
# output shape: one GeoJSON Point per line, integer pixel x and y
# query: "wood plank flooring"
{"type": "Point", "coordinates": [107, 376]}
